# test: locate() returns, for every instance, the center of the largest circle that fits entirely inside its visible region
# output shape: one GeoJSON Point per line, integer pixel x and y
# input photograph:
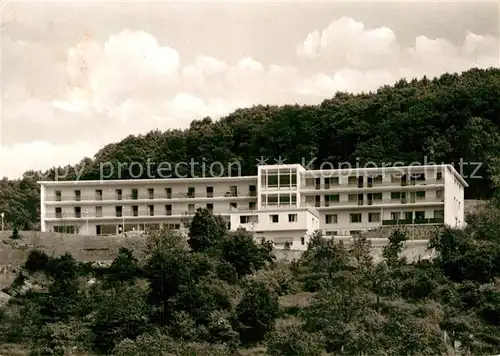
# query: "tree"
{"type": "Point", "coordinates": [206, 231]}
{"type": "Point", "coordinates": [121, 313]}
{"type": "Point", "coordinates": [292, 340]}
{"type": "Point", "coordinates": [124, 267]}
{"type": "Point", "coordinates": [256, 312]}
{"type": "Point", "coordinates": [392, 251]}
{"type": "Point", "coordinates": [15, 232]}
{"type": "Point", "coordinates": [241, 251]}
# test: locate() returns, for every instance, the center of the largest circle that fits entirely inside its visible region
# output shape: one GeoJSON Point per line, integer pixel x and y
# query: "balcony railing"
{"type": "Point", "coordinates": [374, 203]}
{"type": "Point", "coordinates": [179, 195]}
{"type": "Point", "coordinates": [375, 184]}
{"type": "Point", "coordinates": [123, 215]}
{"type": "Point", "coordinates": [413, 221]}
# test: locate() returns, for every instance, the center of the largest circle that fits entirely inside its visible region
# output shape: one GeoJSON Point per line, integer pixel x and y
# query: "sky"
{"type": "Point", "coordinates": [77, 75]}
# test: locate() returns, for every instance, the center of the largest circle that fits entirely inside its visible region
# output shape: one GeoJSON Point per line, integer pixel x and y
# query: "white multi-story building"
{"type": "Point", "coordinates": [283, 203]}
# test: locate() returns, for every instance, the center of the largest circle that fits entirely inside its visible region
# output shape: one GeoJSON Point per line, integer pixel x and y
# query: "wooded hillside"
{"type": "Point", "coordinates": [449, 119]}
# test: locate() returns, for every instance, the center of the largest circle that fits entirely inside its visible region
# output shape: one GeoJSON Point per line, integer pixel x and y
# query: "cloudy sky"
{"type": "Point", "coordinates": [78, 75]}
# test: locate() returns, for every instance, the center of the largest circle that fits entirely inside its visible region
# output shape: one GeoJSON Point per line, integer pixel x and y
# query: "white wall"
{"type": "Point", "coordinates": [454, 200]}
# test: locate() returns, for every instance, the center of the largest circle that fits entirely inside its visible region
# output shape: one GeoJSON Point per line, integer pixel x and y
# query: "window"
{"type": "Point", "coordinates": [408, 215]}
{"type": "Point", "coordinates": [374, 217]}
{"type": "Point", "coordinates": [355, 232]}
{"type": "Point", "coordinates": [292, 217]}
{"type": "Point", "coordinates": [439, 194]}
{"type": "Point", "coordinates": [78, 195]}
{"type": "Point", "coordinates": [233, 206]}
{"type": "Point", "coordinates": [191, 208]}
{"type": "Point", "coordinates": [118, 211]}
{"type": "Point", "coordinates": [58, 213]}
{"type": "Point", "coordinates": [210, 207]}
{"type": "Point", "coordinates": [355, 218]}
{"type": "Point", "coordinates": [353, 198]}
{"type": "Point", "coordinates": [331, 218]}
{"type": "Point", "coordinates": [395, 215]}
{"type": "Point", "coordinates": [248, 219]}
{"type": "Point", "coordinates": [395, 178]}
{"type": "Point", "coordinates": [332, 233]}
{"type": "Point", "coordinates": [439, 175]}
{"type": "Point", "coordinates": [234, 190]}
{"type": "Point", "coordinates": [302, 241]}
{"type": "Point", "coordinates": [317, 183]}
{"type": "Point", "coordinates": [98, 194]}
{"type": "Point", "coordinates": [438, 214]}
{"type": "Point", "coordinates": [135, 194]}
{"type": "Point", "coordinates": [151, 193]}
{"type": "Point", "coordinates": [168, 193]}
{"type": "Point", "coordinates": [420, 195]}
{"type": "Point", "coordinates": [118, 194]}
{"type": "Point", "coordinates": [191, 192]}
{"type": "Point", "coordinates": [395, 195]}
{"type": "Point", "coordinates": [332, 198]}
{"type": "Point", "coordinates": [420, 177]}
{"type": "Point", "coordinates": [274, 218]}
{"type": "Point", "coordinates": [151, 209]}
{"type": "Point", "coordinates": [378, 179]}
{"type": "Point", "coordinates": [252, 205]}
{"type": "Point", "coordinates": [58, 195]}
{"type": "Point", "coordinates": [210, 192]}
{"type": "Point", "coordinates": [98, 211]}
{"type": "Point", "coordinates": [252, 190]}
{"type": "Point", "coordinates": [377, 196]}
{"type": "Point", "coordinates": [135, 210]}
{"type": "Point", "coordinates": [168, 209]}
{"type": "Point", "coordinates": [352, 180]}
{"type": "Point", "coordinates": [419, 215]}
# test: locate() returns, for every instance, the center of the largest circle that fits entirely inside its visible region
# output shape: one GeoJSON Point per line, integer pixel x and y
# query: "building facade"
{"type": "Point", "coordinates": [283, 203]}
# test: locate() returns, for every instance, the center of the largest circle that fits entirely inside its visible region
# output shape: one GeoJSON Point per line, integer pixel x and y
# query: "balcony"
{"type": "Point", "coordinates": [157, 197]}
{"type": "Point", "coordinates": [353, 186]}
{"type": "Point", "coordinates": [413, 221]}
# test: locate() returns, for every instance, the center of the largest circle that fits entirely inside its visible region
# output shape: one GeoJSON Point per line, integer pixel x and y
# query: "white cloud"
{"type": "Point", "coordinates": [346, 42]}
{"type": "Point", "coordinates": [364, 59]}
{"type": "Point", "coordinates": [129, 63]}
{"type": "Point", "coordinates": [188, 107]}
{"type": "Point", "coordinates": [131, 83]}
{"type": "Point", "coordinates": [18, 158]}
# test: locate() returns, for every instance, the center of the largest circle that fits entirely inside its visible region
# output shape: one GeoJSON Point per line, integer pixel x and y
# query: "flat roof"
{"type": "Point", "coordinates": [133, 181]}
{"type": "Point", "coordinates": [328, 172]}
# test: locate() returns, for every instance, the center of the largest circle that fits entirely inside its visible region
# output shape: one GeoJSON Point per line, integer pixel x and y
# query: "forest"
{"type": "Point", "coordinates": [451, 119]}
{"type": "Point", "coordinates": [221, 293]}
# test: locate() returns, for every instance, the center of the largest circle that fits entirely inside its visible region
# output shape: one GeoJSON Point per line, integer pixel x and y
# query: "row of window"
{"type": "Point", "coordinates": [404, 197]}
{"type": "Point", "coordinates": [134, 209]}
{"type": "Point", "coordinates": [134, 193]}
{"type": "Point", "coordinates": [396, 178]}
{"type": "Point", "coordinates": [375, 217]}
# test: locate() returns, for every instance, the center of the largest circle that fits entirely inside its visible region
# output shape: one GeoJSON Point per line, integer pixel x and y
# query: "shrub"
{"type": "Point", "coordinates": [291, 340]}
{"type": "Point", "coordinates": [257, 312]}
{"type": "Point", "coordinates": [15, 233]}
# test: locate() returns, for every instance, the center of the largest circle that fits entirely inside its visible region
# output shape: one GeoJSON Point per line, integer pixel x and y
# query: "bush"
{"type": "Point", "coordinates": [291, 340]}
{"type": "Point", "coordinates": [15, 233]}
{"type": "Point", "coordinates": [157, 344]}
{"type": "Point", "coordinates": [37, 261]}
{"type": "Point", "coordinates": [279, 279]}
{"type": "Point", "coordinates": [257, 312]}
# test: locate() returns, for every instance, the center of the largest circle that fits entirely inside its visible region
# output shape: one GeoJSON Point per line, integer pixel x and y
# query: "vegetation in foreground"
{"type": "Point", "coordinates": [442, 120]}
{"type": "Point", "coordinates": [221, 293]}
